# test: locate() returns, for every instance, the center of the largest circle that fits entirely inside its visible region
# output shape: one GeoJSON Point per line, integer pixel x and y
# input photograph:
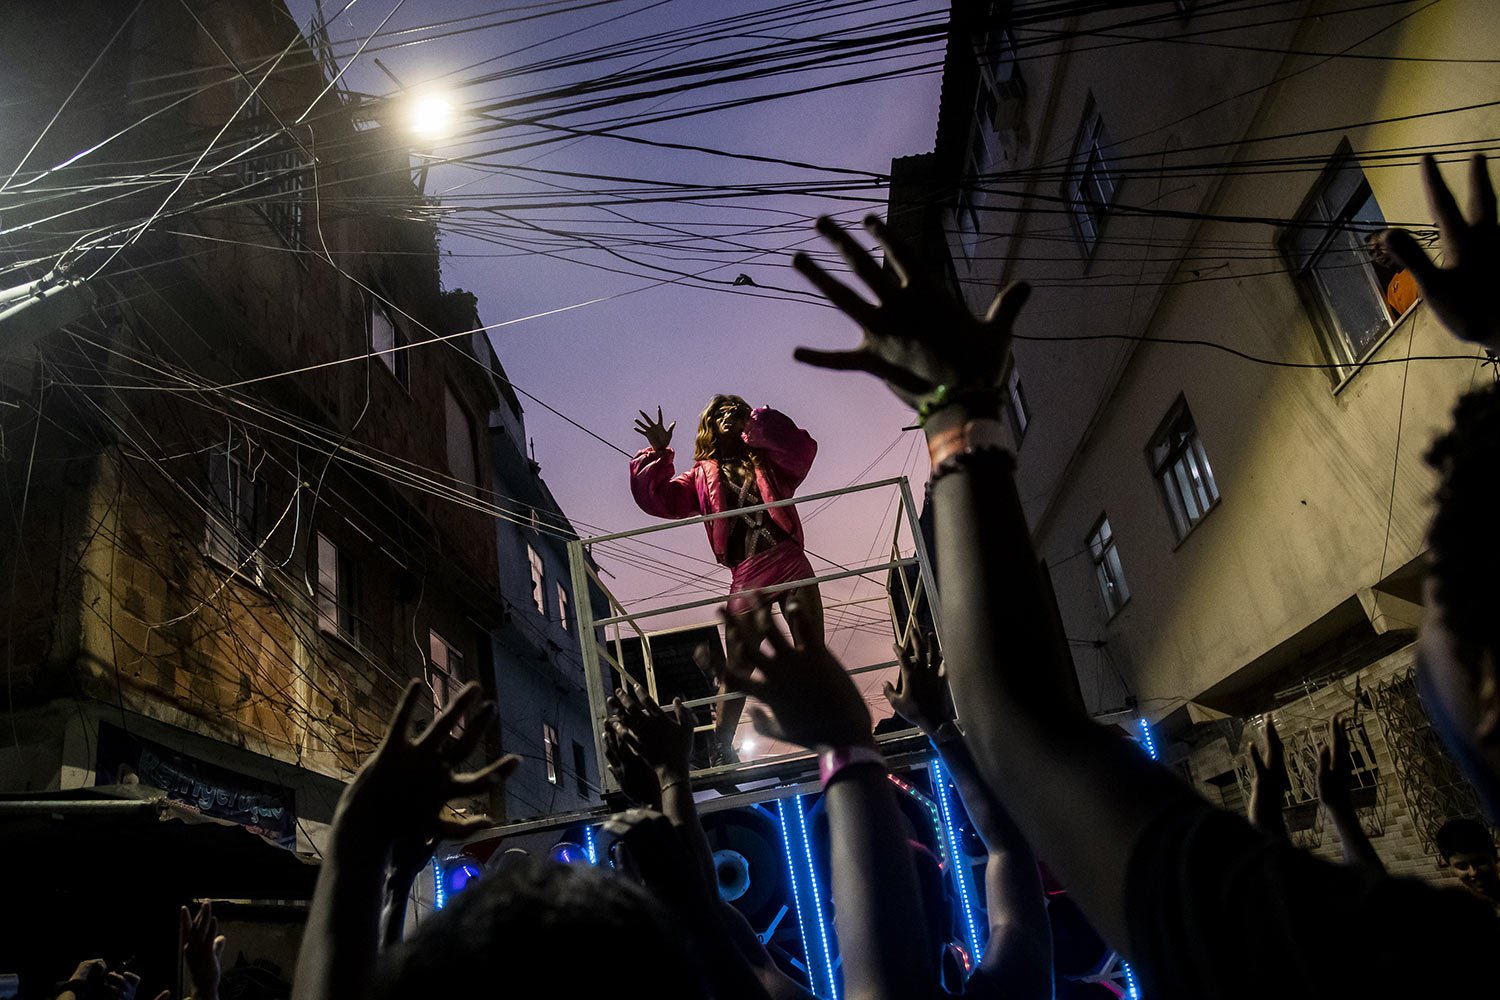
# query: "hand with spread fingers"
{"type": "Point", "coordinates": [202, 950]}
{"type": "Point", "coordinates": [1336, 792]}
{"type": "Point", "coordinates": [1269, 784]}
{"type": "Point", "coordinates": [632, 771]}
{"type": "Point", "coordinates": [921, 693]}
{"type": "Point", "coordinates": [1462, 294]}
{"type": "Point", "coordinates": [1336, 771]}
{"type": "Point", "coordinates": [919, 338]}
{"type": "Point", "coordinates": [812, 701]}
{"type": "Point", "coordinates": [664, 738]}
{"type": "Point", "coordinates": [401, 790]}
{"type": "Point", "coordinates": [656, 432]}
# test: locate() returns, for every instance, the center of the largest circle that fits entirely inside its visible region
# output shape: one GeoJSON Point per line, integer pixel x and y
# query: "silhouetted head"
{"type": "Point", "coordinates": [1460, 643]}
{"type": "Point", "coordinates": [1469, 850]}
{"type": "Point", "coordinates": [562, 930]}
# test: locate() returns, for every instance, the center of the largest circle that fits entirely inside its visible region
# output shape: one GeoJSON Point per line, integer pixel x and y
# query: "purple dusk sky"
{"type": "Point", "coordinates": [668, 344]}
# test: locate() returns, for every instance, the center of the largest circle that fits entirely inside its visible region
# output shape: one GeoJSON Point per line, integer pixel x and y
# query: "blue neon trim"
{"type": "Point", "coordinates": [1132, 987]}
{"type": "Point", "coordinates": [1148, 741]}
{"type": "Point", "coordinates": [590, 848]}
{"type": "Point", "coordinates": [960, 867]}
{"type": "Point", "coordinates": [439, 892]}
{"type": "Point", "coordinates": [812, 874]}
{"type": "Point", "coordinates": [791, 868]}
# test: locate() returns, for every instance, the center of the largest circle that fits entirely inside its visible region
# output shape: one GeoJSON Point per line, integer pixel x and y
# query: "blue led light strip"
{"type": "Point", "coordinates": [590, 847]}
{"type": "Point", "coordinates": [960, 867]}
{"type": "Point", "coordinates": [1148, 741]}
{"type": "Point", "coordinates": [791, 868]}
{"type": "Point", "coordinates": [439, 893]}
{"type": "Point", "coordinates": [817, 900]}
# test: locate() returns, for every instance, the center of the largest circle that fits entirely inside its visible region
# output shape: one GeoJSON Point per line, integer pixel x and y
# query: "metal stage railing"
{"type": "Point", "coordinates": [909, 596]}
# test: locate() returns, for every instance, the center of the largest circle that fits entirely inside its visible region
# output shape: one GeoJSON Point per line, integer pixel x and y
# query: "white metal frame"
{"type": "Point", "coordinates": [599, 649]}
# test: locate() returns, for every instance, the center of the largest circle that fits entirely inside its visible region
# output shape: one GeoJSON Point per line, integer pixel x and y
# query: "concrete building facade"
{"type": "Point", "coordinates": [246, 503]}
{"type": "Point", "coordinates": [1234, 529]}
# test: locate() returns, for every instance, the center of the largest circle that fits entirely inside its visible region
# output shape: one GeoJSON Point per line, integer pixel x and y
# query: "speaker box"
{"type": "Point", "coordinates": [749, 863]}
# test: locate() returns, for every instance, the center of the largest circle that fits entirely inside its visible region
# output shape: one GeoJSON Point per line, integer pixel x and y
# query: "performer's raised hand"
{"type": "Point", "coordinates": [1463, 293]}
{"type": "Point", "coordinates": [919, 337]}
{"type": "Point", "coordinates": [655, 431]}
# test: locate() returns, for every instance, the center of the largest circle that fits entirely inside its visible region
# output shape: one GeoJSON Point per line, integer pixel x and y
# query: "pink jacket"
{"type": "Point", "coordinates": [785, 452]}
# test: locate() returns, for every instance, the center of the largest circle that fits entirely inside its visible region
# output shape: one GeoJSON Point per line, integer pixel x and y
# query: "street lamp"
{"type": "Point", "coordinates": [430, 116]}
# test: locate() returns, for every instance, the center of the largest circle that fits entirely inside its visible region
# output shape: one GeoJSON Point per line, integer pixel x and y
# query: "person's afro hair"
{"type": "Point", "coordinates": [1465, 559]}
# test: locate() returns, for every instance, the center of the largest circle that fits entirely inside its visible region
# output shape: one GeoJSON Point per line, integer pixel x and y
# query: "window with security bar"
{"type": "Point", "coordinates": [1353, 289]}
{"type": "Point", "coordinates": [271, 173]}
{"type": "Point", "coordinates": [1434, 789]}
{"type": "Point", "coordinates": [335, 590]}
{"type": "Point", "coordinates": [444, 671]}
{"type": "Point", "coordinates": [552, 751]}
{"type": "Point", "coordinates": [1180, 465]}
{"type": "Point", "coordinates": [230, 534]}
{"type": "Point", "coordinates": [1301, 748]}
{"type": "Point", "coordinates": [1108, 573]}
{"type": "Point", "coordinates": [1090, 186]}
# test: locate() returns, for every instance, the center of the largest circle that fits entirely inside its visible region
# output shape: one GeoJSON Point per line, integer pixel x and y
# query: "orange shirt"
{"type": "Point", "coordinates": [1401, 292]}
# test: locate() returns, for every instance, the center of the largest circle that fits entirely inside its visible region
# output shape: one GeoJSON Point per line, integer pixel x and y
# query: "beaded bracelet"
{"type": "Point", "coordinates": [957, 458]}
{"type": "Point", "coordinates": [972, 435]}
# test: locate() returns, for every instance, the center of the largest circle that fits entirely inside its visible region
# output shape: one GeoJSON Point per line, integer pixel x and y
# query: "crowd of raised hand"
{"type": "Point", "coordinates": [1202, 902]}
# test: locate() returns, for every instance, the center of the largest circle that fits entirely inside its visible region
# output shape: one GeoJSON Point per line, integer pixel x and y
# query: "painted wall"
{"type": "Point", "coordinates": [1323, 490]}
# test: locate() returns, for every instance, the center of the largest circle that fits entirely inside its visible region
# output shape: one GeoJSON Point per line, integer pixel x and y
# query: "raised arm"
{"type": "Point", "coordinates": [1018, 960]}
{"type": "Point", "coordinates": [396, 797]}
{"type": "Point", "coordinates": [649, 749]}
{"type": "Point", "coordinates": [1062, 777]}
{"type": "Point", "coordinates": [1335, 777]}
{"type": "Point", "coordinates": [814, 704]}
{"type": "Point", "coordinates": [654, 484]}
{"type": "Point", "coordinates": [1268, 784]}
{"type": "Point", "coordinates": [665, 742]}
{"type": "Point", "coordinates": [785, 445]}
{"type": "Point", "coordinates": [1463, 293]}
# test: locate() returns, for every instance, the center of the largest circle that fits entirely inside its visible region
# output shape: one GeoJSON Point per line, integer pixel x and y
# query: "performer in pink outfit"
{"type": "Point", "coordinates": [742, 458]}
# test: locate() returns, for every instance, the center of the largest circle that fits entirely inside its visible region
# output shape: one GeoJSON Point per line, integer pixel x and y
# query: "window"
{"type": "Point", "coordinates": [230, 534]}
{"type": "Point", "coordinates": [460, 428]}
{"type": "Point", "coordinates": [1090, 187]}
{"type": "Point", "coordinates": [580, 770]}
{"type": "Point", "coordinates": [553, 751]}
{"type": "Point", "coordinates": [562, 607]}
{"type": "Point", "coordinates": [1020, 416]}
{"type": "Point", "coordinates": [388, 343]}
{"type": "Point", "coordinates": [1001, 67]}
{"type": "Point", "coordinates": [1328, 255]}
{"type": "Point", "coordinates": [538, 595]}
{"type": "Point", "coordinates": [273, 176]}
{"type": "Point", "coordinates": [444, 670]}
{"type": "Point", "coordinates": [1108, 572]}
{"type": "Point", "coordinates": [335, 588]}
{"type": "Point", "coordinates": [968, 222]}
{"type": "Point", "coordinates": [1180, 465]}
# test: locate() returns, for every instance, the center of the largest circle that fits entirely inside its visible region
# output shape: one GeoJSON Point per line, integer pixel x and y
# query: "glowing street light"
{"type": "Point", "coordinates": [430, 115]}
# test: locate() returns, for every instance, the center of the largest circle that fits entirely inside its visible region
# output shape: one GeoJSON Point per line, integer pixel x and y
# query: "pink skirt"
{"type": "Point", "coordinates": [781, 563]}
